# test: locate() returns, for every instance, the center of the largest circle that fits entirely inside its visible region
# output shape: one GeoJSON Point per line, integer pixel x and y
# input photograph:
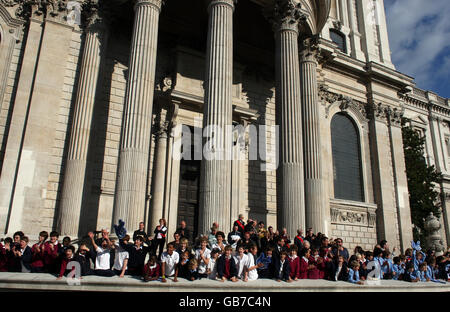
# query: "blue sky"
{"type": "Point", "coordinates": [419, 37]}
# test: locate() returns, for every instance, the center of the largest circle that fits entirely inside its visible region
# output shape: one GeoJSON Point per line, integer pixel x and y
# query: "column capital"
{"type": "Point", "coordinates": [96, 14]}
{"type": "Point", "coordinates": [156, 3]}
{"type": "Point", "coordinates": [309, 50]}
{"type": "Point", "coordinates": [230, 3]}
{"type": "Point", "coordinates": [285, 15]}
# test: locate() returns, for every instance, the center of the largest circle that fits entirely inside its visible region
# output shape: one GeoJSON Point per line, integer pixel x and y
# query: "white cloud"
{"type": "Point", "coordinates": [419, 33]}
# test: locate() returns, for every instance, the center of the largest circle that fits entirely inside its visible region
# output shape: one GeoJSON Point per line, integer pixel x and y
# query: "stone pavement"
{"type": "Point", "coordinates": [47, 282]}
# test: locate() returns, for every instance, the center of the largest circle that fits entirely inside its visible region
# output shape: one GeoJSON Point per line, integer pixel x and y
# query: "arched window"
{"type": "Point", "coordinates": [339, 38]}
{"type": "Point", "coordinates": [346, 150]}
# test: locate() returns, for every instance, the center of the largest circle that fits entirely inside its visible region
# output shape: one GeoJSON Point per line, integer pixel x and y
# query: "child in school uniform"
{"type": "Point", "coordinates": [387, 265]}
{"type": "Point", "coordinates": [169, 260]}
{"type": "Point", "coordinates": [212, 265]}
{"type": "Point", "coordinates": [410, 274]}
{"type": "Point", "coordinates": [121, 257]}
{"type": "Point", "coordinates": [203, 255]}
{"type": "Point", "coordinates": [313, 271]}
{"type": "Point", "coordinates": [37, 250]}
{"type": "Point", "coordinates": [192, 273]}
{"type": "Point", "coordinates": [398, 268]}
{"type": "Point", "coordinates": [152, 269]}
{"type": "Point", "coordinates": [422, 274]}
{"type": "Point", "coordinates": [282, 268]}
{"type": "Point", "coordinates": [103, 258]}
{"type": "Point", "coordinates": [353, 273]}
{"type": "Point", "coordinates": [241, 260]}
{"type": "Point", "coordinates": [23, 255]}
{"type": "Point", "coordinates": [304, 263]}
{"type": "Point", "coordinates": [294, 263]}
{"type": "Point", "coordinates": [226, 266]}
{"type": "Point", "coordinates": [251, 272]}
{"type": "Point", "coordinates": [68, 257]}
{"type": "Point", "coordinates": [340, 270]}
{"type": "Point", "coordinates": [50, 253]}
{"type": "Point", "coordinates": [182, 266]}
{"type": "Point", "coordinates": [3, 257]}
{"type": "Point", "coordinates": [266, 269]}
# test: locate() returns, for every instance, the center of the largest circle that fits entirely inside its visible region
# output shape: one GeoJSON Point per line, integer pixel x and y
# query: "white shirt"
{"type": "Point", "coordinates": [281, 266]}
{"type": "Point", "coordinates": [253, 274]}
{"type": "Point", "coordinates": [121, 255]}
{"type": "Point", "coordinates": [202, 266]}
{"type": "Point", "coordinates": [240, 263]}
{"type": "Point", "coordinates": [170, 262]}
{"type": "Point", "coordinates": [102, 259]}
{"type": "Point", "coordinates": [216, 246]}
{"type": "Point", "coordinates": [212, 266]}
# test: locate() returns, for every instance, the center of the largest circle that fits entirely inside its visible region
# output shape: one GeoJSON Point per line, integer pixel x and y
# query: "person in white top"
{"type": "Point", "coordinates": [212, 265]}
{"type": "Point", "coordinates": [203, 255]}
{"type": "Point", "coordinates": [169, 261]}
{"type": "Point", "coordinates": [221, 243]}
{"type": "Point", "coordinates": [102, 261]}
{"type": "Point", "coordinates": [241, 260]}
{"type": "Point", "coordinates": [160, 237]}
{"type": "Point", "coordinates": [121, 257]}
{"type": "Point", "coordinates": [251, 273]}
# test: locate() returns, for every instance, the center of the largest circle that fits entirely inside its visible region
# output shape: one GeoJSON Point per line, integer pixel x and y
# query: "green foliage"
{"type": "Point", "coordinates": [422, 180]}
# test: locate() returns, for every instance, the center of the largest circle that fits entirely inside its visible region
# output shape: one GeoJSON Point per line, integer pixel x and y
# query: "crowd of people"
{"type": "Point", "coordinates": [248, 252]}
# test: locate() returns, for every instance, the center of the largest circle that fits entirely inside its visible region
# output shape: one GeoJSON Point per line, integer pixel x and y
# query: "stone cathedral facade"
{"type": "Point", "coordinates": [93, 94]}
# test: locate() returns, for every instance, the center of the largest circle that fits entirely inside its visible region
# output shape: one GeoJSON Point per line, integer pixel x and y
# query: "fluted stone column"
{"type": "Point", "coordinates": [160, 174]}
{"type": "Point", "coordinates": [314, 188]}
{"type": "Point", "coordinates": [75, 170]}
{"type": "Point", "coordinates": [285, 18]}
{"type": "Point", "coordinates": [215, 182]}
{"type": "Point", "coordinates": [135, 141]}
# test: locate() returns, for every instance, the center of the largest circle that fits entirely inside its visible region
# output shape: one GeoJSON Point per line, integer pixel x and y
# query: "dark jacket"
{"type": "Point", "coordinates": [343, 275]}
{"type": "Point", "coordinates": [184, 233]}
{"type": "Point", "coordinates": [140, 233]}
{"type": "Point", "coordinates": [230, 241]}
{"type": "Point", "coordinates": [286, 269]}
{"type": "Point", "coordinates": [85, 262]}
{"type": "Point", "coordinates": [221, 266]}
{"type": "Point", "coordinates": [136, 258]}
{"type": "Point", "coordinates": [27, 258]}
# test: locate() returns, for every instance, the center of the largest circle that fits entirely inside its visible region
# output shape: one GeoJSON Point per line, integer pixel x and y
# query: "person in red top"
{"type": "Point", "coordinates": [4, 256]}
{"type": "Point", "coordinates": [304, 263]}
{"type": "Point", "coordinates": [324, 263]}
{"type": "Point", "coordinates": [294, 262]}
{"type": "Point", "coordinates": [63, 271]}
{"type": "Point", "coordinates": [50, 254]}
{"type": "Point", "coordinates": [151, 271]}
{"type": "Point", "coordinates": [37, 262]}
{"type": "Point", "coordinates": [240, 223]}
{"type": "Point", "coordinates": [313, 270]}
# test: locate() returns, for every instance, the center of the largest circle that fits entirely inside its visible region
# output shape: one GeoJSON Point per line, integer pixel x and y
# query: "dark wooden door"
{"type": "Point", "coordinates": [188, 197]}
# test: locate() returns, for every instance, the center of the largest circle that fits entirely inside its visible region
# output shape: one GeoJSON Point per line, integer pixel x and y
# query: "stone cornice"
{"type": "Point", "coordinates": [285, 15]}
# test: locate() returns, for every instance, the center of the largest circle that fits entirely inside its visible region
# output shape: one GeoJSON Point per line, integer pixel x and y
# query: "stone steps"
{"type": "Point", "coordinates": [48, 282]}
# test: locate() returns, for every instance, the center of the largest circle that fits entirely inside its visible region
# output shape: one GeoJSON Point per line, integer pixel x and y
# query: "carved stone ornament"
{"type": "Point", "coordinates": [385, 114]}
{"type": "Point", "coordinates": [285, 15]}
{"type": "Point", "coordinates": [329, 98]}
{"type": "Point", "coordinates": [434, 240]}
{"type": "Point", "coordinates": [337, 25]}
{"type": "Point", "coordinates": [49, 8]}
{"type": "Point", "coordinates": [310, 49]}
{"type": "Point", "coordinates": [352, 217]}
